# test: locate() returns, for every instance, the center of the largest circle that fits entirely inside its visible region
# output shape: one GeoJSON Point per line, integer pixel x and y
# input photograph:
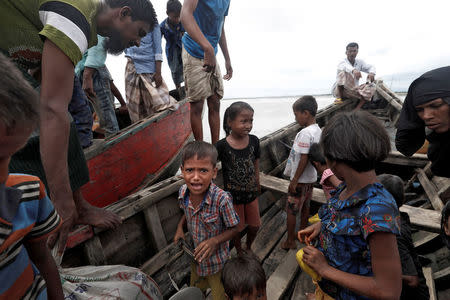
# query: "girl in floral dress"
{"type": "Point", "coordinates": [356, 254]}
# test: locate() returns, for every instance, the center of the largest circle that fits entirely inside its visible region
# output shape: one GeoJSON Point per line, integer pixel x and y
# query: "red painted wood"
{"type": "Point", "coordinates": [119, 170]}
{"type": "Point", "coordinates": [79, 235]}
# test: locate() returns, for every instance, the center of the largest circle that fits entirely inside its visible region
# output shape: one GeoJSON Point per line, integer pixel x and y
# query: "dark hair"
{"type": "Point", "coordinates": [232, 112]}
{"type": "Point", "coordinates": [306, 103]}
{"type": "Point", "coordinates": [19, 102]}
{"type": "Point", "coordinates": [316, 154]}
{"type": "Point", "coordinates": [351, 45]}
{"type": "Point", "coordinates": [394, 185]}
{"type": "Point", "coordinates": [173, 6]}
{"type": "Point", "coordinates": [142, 10]}
{"type": "Point", "coordinates": [444, 222]}
{"type": "Point", "coordinates": [240, 275]}
{"type": "Point", "coordinates": [200, 150]}
{"type": "Point", "coordinates": [357, 139]}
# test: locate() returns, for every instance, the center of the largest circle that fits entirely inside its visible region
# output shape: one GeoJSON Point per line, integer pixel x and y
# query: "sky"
{"type": "Point", "coordinates": [292, 47]}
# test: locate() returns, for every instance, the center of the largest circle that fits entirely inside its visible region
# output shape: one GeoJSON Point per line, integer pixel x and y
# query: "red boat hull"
{"type": "Point", "coordinates": [120, 165]}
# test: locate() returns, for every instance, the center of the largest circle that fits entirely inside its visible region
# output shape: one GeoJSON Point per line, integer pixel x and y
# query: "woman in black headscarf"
{"type": "Point", "coordinates": [426, 114]}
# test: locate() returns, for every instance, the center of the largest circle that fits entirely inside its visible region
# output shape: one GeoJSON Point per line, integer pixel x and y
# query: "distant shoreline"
{"type": "Point", "coordinates": [402, 93]}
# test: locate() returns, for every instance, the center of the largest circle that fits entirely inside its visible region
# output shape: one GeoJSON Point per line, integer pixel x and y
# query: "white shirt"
{"type": "Point", "coordinates": [302, 143]}
{"type": "Point", "coordinates": [359, 65]}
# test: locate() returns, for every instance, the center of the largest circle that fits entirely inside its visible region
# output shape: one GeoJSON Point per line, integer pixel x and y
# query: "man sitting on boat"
{"type": "Point", "coordinates": [347, 78]}
{"type": "Point", "coordinates": [52, 36]}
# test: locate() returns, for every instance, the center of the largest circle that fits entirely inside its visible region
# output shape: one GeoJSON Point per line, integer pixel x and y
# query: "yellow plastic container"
{"type": "Point", "coordinates": [314, 219]}
{"type": "Point", "coordinates": [305, 267]}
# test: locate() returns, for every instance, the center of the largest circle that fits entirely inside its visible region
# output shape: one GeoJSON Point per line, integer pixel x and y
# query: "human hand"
{"type": "Point", "coordinates": [371, 77]}
{"type": "Point", "coordinates": [68, 213]}
{"type": "Point", "coordinates": [357, 74]}
{"type": "Point", "coordinates": [158, 79]}
{"type": "Point", "coordinates": [229, 69]}
{"type": "Point", "coordinates": [293, 186]}
{"type": "Point", "coordinates": [308, 234]}
{"type": "Point", "coordinates": [412, 281]}
{"type": "Point", "coordinates": [205, 249]}
{"type": "Point", "coordinates": [179, 234]}
{"type": "Point", "coordinates": [315, 259]}
{"type": "Point", "coordinates": [209, 60]}
{"type": "Point", "coordinates": [88, 83]}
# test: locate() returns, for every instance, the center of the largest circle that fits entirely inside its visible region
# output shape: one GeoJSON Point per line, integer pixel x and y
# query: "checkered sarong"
{"type": "Point", "coordinates": [144, 99]}
{"type": "Point", "coordinates": [364, 91]}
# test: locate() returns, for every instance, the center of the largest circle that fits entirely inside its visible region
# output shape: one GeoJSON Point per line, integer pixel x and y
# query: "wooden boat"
{"type": "Point", "coordinates": [136, 156]}
{"type": "Point", "coordinates": [151, 216]}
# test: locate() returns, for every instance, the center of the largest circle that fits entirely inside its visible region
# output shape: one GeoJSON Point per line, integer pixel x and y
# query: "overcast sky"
{"type": "Point", "coordinates": [292, 47]}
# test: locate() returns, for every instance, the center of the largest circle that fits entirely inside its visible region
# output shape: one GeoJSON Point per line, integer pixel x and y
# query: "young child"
{"type": "Point", "coordinates": [172, 30]}
{"type": "Point", "coordinates": [414, 285]}
{"type": "Point", "coordinates": [328, 180]}
{"type": "Point", "coordinates": [27, 216]}
{"type": "Point", "coordinates": [209, 215]}
{"type": "Point", "coordinates": [239, 154]}
{"type": "Point", "coordinates": [301, 172]}
{"type": "Point", "coordinates": [357, 255]}
{"type": "Point", "coordinates": [251, 282]}
{"type": "Point", "coordinates": [445, 224]}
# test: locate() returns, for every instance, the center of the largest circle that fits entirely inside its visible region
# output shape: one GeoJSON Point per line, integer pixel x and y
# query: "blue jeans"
{"type": "Point", "coordinates": [105, 101]}
{"type": "Point", "coordinates": [81, 114]}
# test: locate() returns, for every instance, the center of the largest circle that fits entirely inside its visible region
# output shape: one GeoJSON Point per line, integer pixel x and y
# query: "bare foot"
{"type": "Point", "coordinates": [287, 245]}
{"type": "Point", "coordinates": [91, 215]}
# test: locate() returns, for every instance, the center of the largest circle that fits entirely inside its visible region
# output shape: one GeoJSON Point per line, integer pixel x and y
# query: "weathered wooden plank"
{"type": "Point", "coordinates": [269, 235]}
{"type": "Point", "coordinates": [94, 251]}
{"type": "Point", "coordinates": [389, 98]}
{"type": "Point", "coordinates": [281, 185]}
{"type": "Point", "coordinates": [154, 227]}
{"type": "Point", "coordinates": [428, 274]}
{"type": "Point", "coordinates": [416, 161]}
{"type": "Point", "coordinates": [282, 277]}
{"type": "Point", "coordinates": [303, 285]}
{"type": "Point", "coordinates": [425, 239]}
{"type": "Point", "coordinates": [430, 190]}
{"type": "Point", "coordinates": [275, 257]}
{"type": "Point", "coordinates": [425, 219]}
{"type": "Point", "coordinates": [442, 186]}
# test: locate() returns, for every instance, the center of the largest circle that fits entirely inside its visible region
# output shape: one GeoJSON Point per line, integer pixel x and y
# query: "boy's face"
{"type": "Point", "coordinates": [198, 174]}
{"type": "Point", "coordinates": [174, 18]}
{"type": "Point", "coordinates": [301, 117]}
{"type": "Point", "coordinates": [12, 140]}
{"type": "Point", "coordinates": [256, 295]}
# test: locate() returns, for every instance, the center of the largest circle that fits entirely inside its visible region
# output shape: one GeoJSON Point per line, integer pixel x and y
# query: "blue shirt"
{"type": "Point", "coordinates": [145, 56]}
{"type": "Point", "coordinates": [173, 37]}
{"type": "Point", "coordinates": [209, 15]}
{"type": "Point", "coordinates": [346, 226]}
{"type": "Point", "coordinates": [94, 57]}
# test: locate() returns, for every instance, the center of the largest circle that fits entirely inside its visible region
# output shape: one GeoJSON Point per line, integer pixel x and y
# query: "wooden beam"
{"type": "Point", "coordinates": [425, 219]}
{"type": "Point", "coordinates": [389, 98]}
{"type": "Point", "coordinates": [154, 227]}
{"type": "Point", "coordinates": [281, 185]}
{"type": "Point", "coordinates": [416, 160]}
{"type": "Point", "coordinates": [430, 190]}
{"type": "Point", "coordinates": [303, 285]}
{"type": "Point", "coordinates": [269, 235]}
{"type": "Point", "coordinates": [441, 274]}
{"type": "Point", "coordinates": [94, 251]}
{"type": "Point", "coordinates": [426, 239]}
{"type": "Point", "coordinates": [280, 280]}
{"type": "Point", "coordinates": [428, 274]}
{"type": "Point", "coordinates": [442, 186]}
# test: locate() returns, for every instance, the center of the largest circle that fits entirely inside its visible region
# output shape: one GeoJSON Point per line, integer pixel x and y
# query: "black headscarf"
{"type": "Point", "coordinates": [411, 128]}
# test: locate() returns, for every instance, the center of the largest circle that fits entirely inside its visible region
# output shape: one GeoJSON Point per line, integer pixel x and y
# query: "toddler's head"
{"type": "Point", "coordinates": [356, 139]}
{"type": "Point", "coordinates": [317, 158]}
{"type": "Point", "coordinates": [18, 109]}
{"type": "Point", "coordinates": [238, 118]}
{"type": "Point", "coordinates": [243, 278]}
{"type": "Point", "coordinates": [305, 109]}
{"type": "Point", "coordinates": [394, 185]}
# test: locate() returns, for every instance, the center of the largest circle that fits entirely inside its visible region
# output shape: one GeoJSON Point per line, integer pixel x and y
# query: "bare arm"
{"type": "Point", "coordinates": [157, 76]}
{"type": "Point", "coordinates": [192, 28]}
{"type": "Point", "coordinates": [386, 282]}
{"type": "Point", "coordinates": [179, 234]}
{"type": "Point", "coordinates": [88, 82]}
{"type": "Point", "coordinates": [333, 180]}
{"type": "Point", "coordinates": [257, 175]}
{"type": "Point", "coordinates": [300, 168]}
{"type": "Point", "coordinates": [223, 45]}
{"type": "Point", "coordinates": [56, 93]}
{"type": "Point", "coordinates": [41, 257]}
{"type": "Point", "coordinates": [115, 91]}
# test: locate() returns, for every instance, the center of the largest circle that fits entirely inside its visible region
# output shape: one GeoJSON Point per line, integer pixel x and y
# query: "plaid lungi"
{"type": "Point", "coordinates": [143, 97]}
{"type": "Point", "coordinates": [364, 91]}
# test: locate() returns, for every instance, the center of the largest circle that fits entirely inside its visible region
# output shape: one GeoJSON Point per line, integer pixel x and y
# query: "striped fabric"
{"type": "Point", "coordinates": [26, 215]}
{"type": "Point", "coordinates": [211, 218]}
{"type": "Point", "coordinates": [25, 24]}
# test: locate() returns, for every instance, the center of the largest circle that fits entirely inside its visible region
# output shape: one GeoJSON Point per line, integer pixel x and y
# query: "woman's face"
{"type": "Point", "coordinates": [435, 114]}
